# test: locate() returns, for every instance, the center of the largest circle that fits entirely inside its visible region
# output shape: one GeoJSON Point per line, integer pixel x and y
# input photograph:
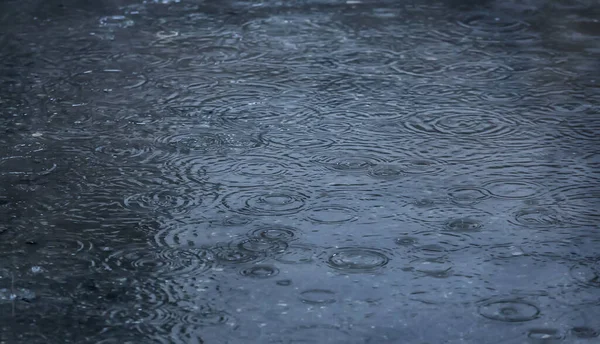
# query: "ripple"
{"type": "Point", "coordinates": [545, 335]}
{"type": "Point", "coordinates": [298, 254]}
{"type": "Point", "coordinates": [513, 189]}
{"type": "Point", "coordinates": [433, 243]}
{"type": "Point", "coordinates": [479, 71]}
{"type": "Point", "coordinates": [461, 123]}
{"type": "Point", "coordinates": [263, 245]}
{"type": "Point", "coordinates": [357, 259]}
{"type": "Point", "coordinates": [465, 195]}
{"type": "Point", "coordinates": [580, 129]}
{"type": "Point", "coordinates": [262, 203]}
{"type": "Point", "coordinates": [317, 333]}
{"type": "Point", "coordinates": [584, 332]}
{"type": "Point", "coordinates": [537, 217]}
{"type": "Point", "coordinates": [119, 152]}
{"type": "Point", "coordinates": [433, 267]}
{"type": "Point", "coordinates": [332, 214]}
{"type": "Point", "coordinates": [386, 172]}
{"type": "Point", "coordinates": [587, 273]}
{"type": "Point", "coordinates": [343, 162]}
{"type": "Point", "coordinates": [107, 81]}
{"type": "Point", "coordinates": [197, 142]}
{"type": "Point", "coordinates": [464, 225]}
{"type": "Point", "coordinates": [116, 21]}
{"type": "Point", "coordinates": [25, 167]}
{"type": "Point", "coordinates": [295, 140]}
{"type": "Point", "coordinates": [488, 23]}
{"type": "Point", "coordinates": [509, 310]}
{"type": "Point", "coordinates": [174, 202]}
{"type": "Point", "coordinates": [166, 262]}
{"type": "Point", "coordinates": [317, 296]}
{"type": "Point", "coordinates": [234, 255]}
{"type": "Point", "coordinates": [260, 271]}
{"type": "Point", "coordinates": [275, 232]}
{"type": "Point", "coordinates": [373, 61]}
{"type": "Point", "coordinates": [421, 166]}
{"type": "Point", "coordinates": [437, 90]}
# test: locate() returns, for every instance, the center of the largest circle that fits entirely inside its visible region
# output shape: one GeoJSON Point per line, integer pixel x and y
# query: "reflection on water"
{"type": "Point", "coordinates": [304, 171]}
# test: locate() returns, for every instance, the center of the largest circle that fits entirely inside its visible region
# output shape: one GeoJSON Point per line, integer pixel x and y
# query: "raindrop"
{"type": "Point", "coordinates": [357, 259]}
{"type": "Point", "coordinates": [509, 310]}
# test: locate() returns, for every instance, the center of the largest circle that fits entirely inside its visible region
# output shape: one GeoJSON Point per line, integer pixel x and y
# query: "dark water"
{"type": "Point", "coordinates": [299, 172]}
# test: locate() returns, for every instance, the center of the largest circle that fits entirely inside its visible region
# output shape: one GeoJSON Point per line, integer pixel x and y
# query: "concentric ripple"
{"type": "Point", "coordinates": [275, 232]}
{"type": "Point", "coordinates": [466, 195]}
{"type": "Point", "coordinates": [166, 262]}
{"type": "Point", "coordinates": [25, 167]}
{"type": "Point", "coordinates": [332, 214]}
{"type": "Point", "coordinates": [537, 217]}
{"type": "Point", "coordinates": [513, 189]}
{"type": "Point", "coordinates": [263, 203]}
{"type": "Point", "coordinates": [298, 254]}
{"type": "Point", "coordinates": [465, 123]}
{"type": "Point", "coordinates": [357, 259]}
{"type": "Point", "coordinates": [587, 273]}
{"type": "Point", "coordinates": [260, 271]}
{"type": "Point", "coordinates": [464, 225]}
{"type": "Point", "coordinates": [487, 22]}
{"type": "Point", "coordinates": [509, 310]}
{"type": "Point", "coordinates": [171, 201]}
{"type": "Point", "coordinates": [233, 255]}
{"type": "Point", "coordinates": [342, 162]}
{"type": "Point", "coordinates": [433, 243]}
{"type": "Point", "coordinates": [317, 296]}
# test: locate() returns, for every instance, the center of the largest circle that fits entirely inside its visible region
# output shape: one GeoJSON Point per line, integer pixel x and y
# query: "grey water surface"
{"type": "Point", "coordinates": [303, 171]}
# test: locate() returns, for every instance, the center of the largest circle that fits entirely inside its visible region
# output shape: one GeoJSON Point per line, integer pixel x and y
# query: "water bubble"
{"type": "Point", "coordinates": [584, 332]}
{"type": "Point", "coordinates": [509, 310]}
{"type": "Point", "coordinates": [357, 259]}
{"type": "Point", "coordinates": [544, 335]}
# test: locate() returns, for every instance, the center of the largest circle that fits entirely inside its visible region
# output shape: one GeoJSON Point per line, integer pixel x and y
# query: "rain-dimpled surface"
{"type": "Point", "coordinates": [322, 171]}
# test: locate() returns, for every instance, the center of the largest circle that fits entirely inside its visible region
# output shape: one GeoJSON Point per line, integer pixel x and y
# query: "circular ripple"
{"type": "Point", "coordinates": [261, 203]}
{"type": "Point", "coordinates": [460, 122]}
{"type": "Point", "coordinates": [545, 335]}
{"type": "Point", "coordinates": [196, 142]}
{"type": "Point", "coordinates": [263, 245]}
{"type": "Point", "coordinates": [167, 262]}
{"type": "Point", "coordinates": [537, 217]}
{"type": "Point", "coordinates": [357, 259]}
{"type": "Point", "coordinates": [587, 273]}
{"type": "Point", "coordinates": [584, 332]}
{"type": "Point", "coordinates": [234, 255]}
{"type": "Point", "coordinates": [298, 141]}
{"type": "Point", "coordinates": [317, 296]}
{"type": "Point", "coordinates": [342, 162]}
{"type": "Point", "coordinates": [332, 214]}
{"type": "Point", "coordinates": [464, 225]}
{"type": "Point", "coordinates": [260, 271]}
{"type": "Point", "coordinates": [386, 172]}
{"type": "Point", "coordinates": [437, 90]}
{"type": "Point", "coordinates": [437, 267]}
{"type": "Point", "coordinates": [275, 232]}
{"type": "Point", "coordinates": [509, 310]}
{"type": "Point", "coordinates": [421, 166]}
{"type": "Point", "coordinates": [297, 254]}
{"type": "Point", "coordinates": [25, 167]}
{"type": "Point", "coordinates": [433, 243]}
{"type": "Point", "coordinates": [488, 23]}
{"type": "Point", "coordinates": [171, 201]}
{"type": "Point", "coordinates": [467, 195]}
{"type": "Point", "coordinates": [513, 189]}
{"type": "Point", "coordinates": [261, 167]}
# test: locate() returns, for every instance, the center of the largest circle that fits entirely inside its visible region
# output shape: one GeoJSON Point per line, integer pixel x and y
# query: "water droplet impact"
{"type": "Point", "coordinates": [467, 195]}
{"type": "Point", "coordinates": [584, 332]}
{"type": "Point", "coordinates": [509, 310]}
{"type": "Point", "coordinates": [464, 225]}
{"type": "Point", "coordinates": [513, 189]}
{"type": "Point", "coordinates": [261, 203]}
{"type": "Point", "coordinates": [587, 273]}
{"type": "Point", "coordinates": [297, 254]}
{"type": "Point", "coordinates": [317, 296]}
{"type": "Point", "coordinates": [260, 271]}
{"type": "Point", "coordinates": [357, 259]}
{"type": "Point", "coordinates": [544, 335]}
{"type": "Point", "coordinates": [275, 232]}
{"type": "Point", "coordinates": [331, 214]}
